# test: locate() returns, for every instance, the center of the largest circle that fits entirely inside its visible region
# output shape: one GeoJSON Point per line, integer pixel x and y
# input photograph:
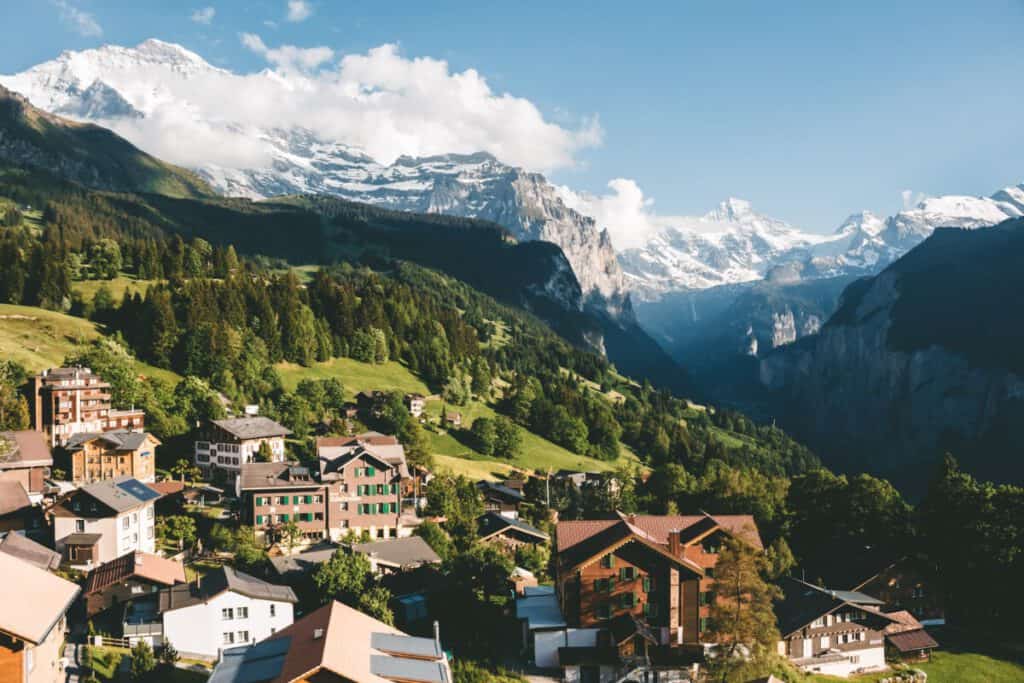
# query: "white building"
{"type": "Point", "coordinates": [229, 444]}
{"type": "Point", "coordinates": [225, 608]}
{"type": "Point", "coordinates": [105, 520]}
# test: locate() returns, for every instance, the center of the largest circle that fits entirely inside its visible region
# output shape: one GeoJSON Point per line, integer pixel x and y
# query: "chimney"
{"type": "Point", "coordinates": [674, 546]}
{"type": "Point", "coordinates": [437, 635]}
{"type": "Point", "coordinates": [632, 518]}
{"type": "Point", "coordinates": [318, 633]}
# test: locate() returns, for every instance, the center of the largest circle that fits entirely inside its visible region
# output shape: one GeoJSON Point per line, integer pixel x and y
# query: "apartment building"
{"type": "Point", "coordinates": [229, 444]}
{"type": "Point", "coordinates": [69, 401]}
{"type": "Point", "coordinates": [276, 493]}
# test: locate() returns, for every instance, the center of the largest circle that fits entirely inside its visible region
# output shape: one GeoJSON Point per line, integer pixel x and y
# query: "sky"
{"type": "Point", "coordinates": [810, 110]}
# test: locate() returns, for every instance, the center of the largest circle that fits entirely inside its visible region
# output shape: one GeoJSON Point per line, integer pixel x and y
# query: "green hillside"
{"type": "Point", "coordinates": [38, 339]}
{"type": "Point", "coordinates": [87, 154]}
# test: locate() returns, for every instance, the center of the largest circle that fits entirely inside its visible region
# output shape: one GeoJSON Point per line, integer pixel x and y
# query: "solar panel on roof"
{"type": "Point", "coordinates": [136, 488]}
{"type": "Point", "coordinates": [400, 668]}
{"type": "Point", "coordinates": [405, 645]}
{"type": "Point", "coordinates": [252, 664]}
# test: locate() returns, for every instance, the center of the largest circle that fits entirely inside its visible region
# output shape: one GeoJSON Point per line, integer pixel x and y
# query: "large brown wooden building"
{"type": "Point", "coordinates": [652, 574]}
{"type": "Point", "coordinates": [93, 457]}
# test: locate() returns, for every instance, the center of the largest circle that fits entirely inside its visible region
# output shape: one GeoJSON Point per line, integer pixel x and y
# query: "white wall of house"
{"type": "Point", "coordinates": [223, 455]}
{"type": "Point", "coordinates": [127, 532]}
{"type": "Point", "coordinates": [42, 661]}
{"type": "Point", "coordinates": [199, 629]}
{"type": "Point", "coordinates": [868, 658]}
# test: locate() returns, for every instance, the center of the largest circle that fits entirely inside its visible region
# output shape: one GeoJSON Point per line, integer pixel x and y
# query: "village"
{"type": "Point", "coordinates": [243, 563]}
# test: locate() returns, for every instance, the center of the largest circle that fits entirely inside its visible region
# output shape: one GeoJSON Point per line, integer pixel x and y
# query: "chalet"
{"type": "Point", "coordinates": [833, 632]}
{"type": "Point", "coordinates": [105, 520]}
{"type": "Point", "coordinates": [416, 403]}
{"type": "Point", "coordinates": [639, 585]}
{"type": "Point", "coordinates": [229, 444]}
{"type": "Point", "coordinates": [453, 420]}
{"type": "Point", "coordinates": [129, 577]}
{"type": "Point", "coordinates": [221, 609]}
{"type": "Point", "coordinates": [25, 458]}
{"type": "Point", "coordinates": [906, 639]}
{"type": "Point", "coordinates": [904, 585]}
{"type": "Point", "coordinates": [337, 643]}
{"type": "Point", "coordinates": [94, 456]}
{"type": "Point", "coordinates": [273, 494]}
{"type": "Point", "coordinates": [33, 621]}
{"type": "Point", "coordinates": [69, 401]}
{"type": "Point", "coordinates": [508, 532]}
{"type": "Point", "coordinates": [27, 550]}
{"type": "Point", "coordinates": [500, 498]}
{"type": "Point", "coordinates": [364, 476]}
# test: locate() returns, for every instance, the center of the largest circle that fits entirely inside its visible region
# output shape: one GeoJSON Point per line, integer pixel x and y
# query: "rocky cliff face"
{"type": "Point", "coordinates": [893, 379]}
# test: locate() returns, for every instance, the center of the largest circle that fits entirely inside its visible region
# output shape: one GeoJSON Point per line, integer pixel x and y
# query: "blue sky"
{"type": "Point", "coordinates": [811, 110]}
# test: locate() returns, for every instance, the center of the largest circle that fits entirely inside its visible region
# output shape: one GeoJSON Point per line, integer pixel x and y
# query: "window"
{"type": "Point", "coordinates": [703, 624]}
{"type": "Point", "coordinates": [394, 488]}
{"type": "Point", "coordinates": [80, 525]}
{"type": "Point", "coordinates": [259, 520]}
{"type": "Point", "coordinates": [284, 518]}
{"type": "Point", "coordinates": [229, 638]}
{"type": "Point", "coordinates": [608, 561]}
{"type": "Point", "coordinates": [627, 600]}
{"type": "Point", "coordinates": [705, 598]}
{"type": "Point", "coordinates": [227, 614]}
{"type": "Point", "coordinates": [710, 572]}
{"type": "Point", "coordinates": [318, 516]}
{"type": "Point", "coordinates": [627, 573]}
{"type": "Point", "coordinates": [359, 471]}
{"type": "Point", "coordinates": [650, 609]}
{"type": "Point", "coordinates": [604, 611]}
{"type": "Point", "coordinates": [380, 489]}
{"type": "Point", "coordinates": [126, 523]}
{"type": "Point", "coordinates": [307, 499]}
{"type": "Point", "coordinates": [604, 585]}
{"type": "Point", "coordinates": [370, 472]}
{"type": "Point", "coordinates": [818, 623]}
{"type": "Point", "coordinates": [242, 613]}
{"type": "Point", "coordinates": [273, 610]}
{"type": "Point", "coordinates": [283, 500]}
{"type": "Point", "coordinates": [243, 636]}
{"type": "Point", "coordinates": [149, 513]}
{"type": "Point", "coordinates": [648, 584]}
{"type": "Point", "coordinates": [149, 532]}
{"type": "Point", "coordinates": [344, 507]}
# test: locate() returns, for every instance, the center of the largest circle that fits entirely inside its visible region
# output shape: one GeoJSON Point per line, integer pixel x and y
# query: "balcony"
{"type": "Point", "coordinates": [142, 619]}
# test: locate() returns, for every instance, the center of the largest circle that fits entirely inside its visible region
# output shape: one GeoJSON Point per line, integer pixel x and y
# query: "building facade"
{"type": "Point", "coordinates": [274, 494]}
{"type": "Point", "coordinates": [69, 401]}
{"type": "Point", "coordinates": [228, 444]}
{"type": "Point", "coordinates": [363, 476]}
{"type": "Point", "coordinates": [93, 457]}
{"type": "Point", "coordinates": [105, 520]}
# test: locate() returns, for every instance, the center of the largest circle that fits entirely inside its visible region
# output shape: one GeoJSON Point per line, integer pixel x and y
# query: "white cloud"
{"type": "Point", "coordinates": [380, 101]}
{"type": "Point", "coordinates": [81, 21]}
{"type": "Point", "coordinates": [626, 213]}
{"type": "Point", "coordinates": [288, 57]}
{"type": "Point", "coordinates": [911, 199]}
{"type": "Point", "coordinates": [299, 10]}
{"type": "Point", "coordinates": [204, 15]}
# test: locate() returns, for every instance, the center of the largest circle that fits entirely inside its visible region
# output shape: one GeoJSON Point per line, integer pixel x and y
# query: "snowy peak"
{"type": "Point", "coordinates": [864, 222]}
{"type": "Point", "coordinates": [732, 210]}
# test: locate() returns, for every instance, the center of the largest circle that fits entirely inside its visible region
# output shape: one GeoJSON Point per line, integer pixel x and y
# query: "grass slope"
{"type": "Point", "coordinates": [449, 450]}
{"type": "Point", "coordinates": [118, 286]}
{"type": "Point", "coordinates": [961, 667]}
{"type": "Point", "coordinates": [39, 339]}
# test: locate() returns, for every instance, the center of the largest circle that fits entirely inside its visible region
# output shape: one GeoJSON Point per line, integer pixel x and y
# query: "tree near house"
{"type": "Point", "coordinates": [184, 469]}
{"type": "Point", "coordinates": [178, 528]}
{"type": "Point", "coordinates": [290, 534]}
{"type": "Point", "coordinates": [742, 620]}
{"type": "Point", "coordinates": [348, 577]}
{"type": "Point", "coordinates": [263, 453]}
{"type": "Point", "coordinates": [143, 661]}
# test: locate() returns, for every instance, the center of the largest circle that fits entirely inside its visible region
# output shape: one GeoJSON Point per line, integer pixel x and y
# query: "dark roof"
{"type": "Point", "coordinates": [27, 550]}
{"type": "Point", "coordinates": [118, 439]}
{"type": "Point", "coordinates": [499, 490]}
{"type": "Point", "coordinates": [261, 475]}
{"type": "Point", "coordinates": [252, 663]}
{"type": "Point", "coordinates": [491, 523]}
{"type": "Point", "coordinates": [219, 581]}
{"type": "Point", "coordinates": [304, 562]}
{"type": "Point", "coordinates": [82, 539]}
{"type": "Point", "coordinates": [121, 494]}
{"type": "Point", "coordinates": [24, 448]}
{"type": "Point", "coordinates": [13, 497]}
{"type": "Point", "coordinates": [804, 602]}
{"type": "Point", "coordinates": [399, 552]}
{"type": "Point", "coordinates": [909, 641]}
{"type": "Point", "coordinates": [256, 427]}
{"type": "Point", "coordinates": [656, 528]}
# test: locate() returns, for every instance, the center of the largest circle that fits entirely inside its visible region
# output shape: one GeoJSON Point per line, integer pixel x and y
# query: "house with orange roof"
{"type": "Point", "coordinates": [131, 576]}
{"type": "Point", "coordinates": [337, 643]}
{"type": "Point", "coordinates": [637, 586]}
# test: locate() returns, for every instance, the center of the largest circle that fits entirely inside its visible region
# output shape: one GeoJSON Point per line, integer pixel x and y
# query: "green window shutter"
{"type": "Point", "coordinates": [597, 585]}
{"type": "Point", "coordinates": [622, 574]}
{"type": "Point", "coordinates": [370, 471]}
{"type": "Point", "coordinates": [307, 499]}
{"type": "Point", "coordinates": [259, 519]}
{"type": "Point", "coordinates": [647, 584]}
{"type": "Point", "coordinates": [284, 500]}
{"type": "Point", "coordinates": [611, 561]}
{"type": "Point", "coordinates": [284, 518]}
{"type": "Point", "coordinates": [394, 488]}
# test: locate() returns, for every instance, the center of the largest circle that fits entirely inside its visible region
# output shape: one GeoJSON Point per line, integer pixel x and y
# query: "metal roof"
{"type": "Point", "coordinates": [252, 427]}
{"type": "Point", "coordinates": [119, 439]}
{"type": "Point", "coordinates": [252, 663]}
{"type": "Point", "coordinates": [405, 645]}
{"type": "Point", "coordinates": [399, 552]}
{"type": "Point", "coordinates": [540, 611]}
{"type": "Point", "coordinates": [121, 494]}
{"type": "Point", "coordinates": [402, 669]}
{"type": "Point", "coordinates": [26, 549]}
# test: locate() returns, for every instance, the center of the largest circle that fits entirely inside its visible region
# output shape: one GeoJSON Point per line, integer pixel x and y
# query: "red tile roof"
{"type": "Point", "coordinates": [168, 487]}
{"type": "Point", "coordinates": [909, 641]}
{"type": "Point", "coordinates": [655, 527]}
{"type": "Point", "coordinates": [142, 565]}
{"type": "Point", "coordinates": [902, 621]}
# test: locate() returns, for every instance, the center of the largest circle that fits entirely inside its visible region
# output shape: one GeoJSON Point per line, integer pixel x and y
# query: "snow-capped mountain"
{"type": "Point", "coordinates": [119, 87]}
{"type": "Point", "coordinates": [735, 244]}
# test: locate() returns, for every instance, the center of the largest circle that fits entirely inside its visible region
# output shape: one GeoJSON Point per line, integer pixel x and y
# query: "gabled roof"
{"type": "Point", "coordinates": [335, 451]}
{"type": "Point", "coordinates": [804, 602]}
{"type": "Point", "coordinates": [219, 581]}
{"type": "Point", "coordinates": [410, 551]}
{"type": "Point", "coordinates": [135, 565]}
{"type": "Point", "coordinates": [657, 527]}
{"type": "Point", "coordinates": [909, 641]}
{"type": "Point", "coordinates": [117, 440]}
{"type": "Point", "coordinates": [304, 562]}
{"type": "Point", "coordinates": [13, 497]}
{"type": "Point", "coordinates": [27, 550]}
{"type": "Point", "coordinates": [25, 448]}
{"type": "Point", "coordinates": [499, 490]}
{"type": "Point", "coordinates": [255, 427]}
{"type": "Point", "coordinates": [33, 599]}
{"type": "Point", "coordinates": [121, 494]}
{"type": "Point", "coordinates": [491, 523]}
{"type": "Point", "coordinates": [340, 641]}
